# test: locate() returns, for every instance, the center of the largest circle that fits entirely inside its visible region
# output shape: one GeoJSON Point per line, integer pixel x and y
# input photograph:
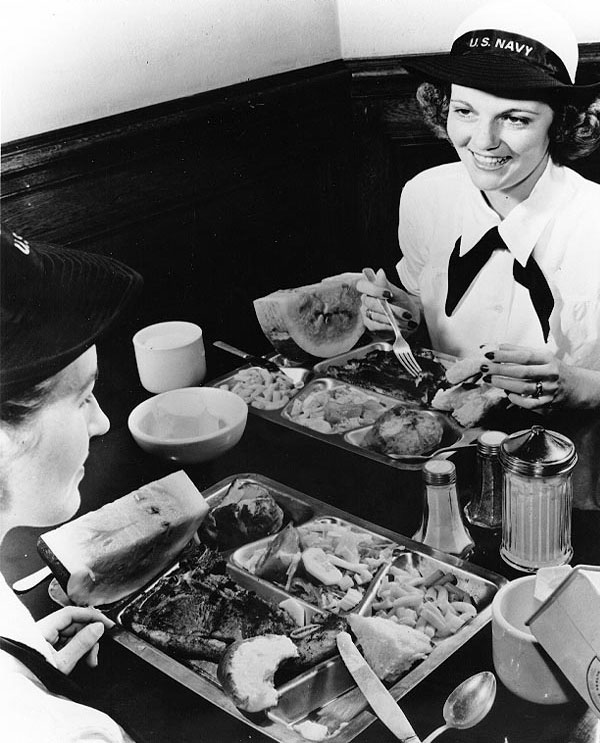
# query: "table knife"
{"type": "Point", "coordinates": [250, 358]}
{"type": "Point", "coordinates": [382, 702]}
{"type": "Point", "coordinates": [22, 585]}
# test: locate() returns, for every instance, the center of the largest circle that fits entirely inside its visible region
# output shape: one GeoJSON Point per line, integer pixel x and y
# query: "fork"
{"type": "Point", "coordinates": [400, 346]}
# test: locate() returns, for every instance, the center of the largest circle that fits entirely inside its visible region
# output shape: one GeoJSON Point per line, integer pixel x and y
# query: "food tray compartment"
{"type": "Point", "coordinates": [304, 696]}
{"type": "Point", "coordinates": [383, 550]}
{"type": "Point", "coordinates": [298, 376]}
{"type": "Point", "coordinates": [383, 373]}
{"type": "Point", "coordinates": [453, 437]}
{"type": "Point", "coordinates": [291, 502]}
{"type": "Point", "coordinates": [350, 407]}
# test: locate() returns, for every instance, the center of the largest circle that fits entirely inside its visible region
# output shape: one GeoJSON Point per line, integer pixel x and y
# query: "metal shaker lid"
{"type": "Point", "coordinates": [439, 472]}
{"type": "Point", "coordinates": [489, 442]}
{"type": "Point", "coordinates": [537, 452]}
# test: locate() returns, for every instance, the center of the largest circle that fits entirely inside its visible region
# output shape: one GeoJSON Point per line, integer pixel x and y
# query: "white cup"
{"type": "Point", "coordinates": [170, 355]}
{"type": "Point", "coordinates": [520, 661]}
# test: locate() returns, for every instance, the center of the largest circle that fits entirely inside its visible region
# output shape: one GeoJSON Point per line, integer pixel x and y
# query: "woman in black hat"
{"type": "Point", "coordinates": [501, 249]}
{"type": "Point", "coordinates": [55, 305]}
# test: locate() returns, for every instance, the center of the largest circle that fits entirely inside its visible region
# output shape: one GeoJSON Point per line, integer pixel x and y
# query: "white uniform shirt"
{"type": "Point", "coordinates": [28, 712]}
{"type": "Point", "coordinates": [559, 224]}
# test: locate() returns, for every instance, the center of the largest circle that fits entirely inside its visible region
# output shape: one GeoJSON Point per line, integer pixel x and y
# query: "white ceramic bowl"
{"type": "Point", "coordinates": [189, 425]}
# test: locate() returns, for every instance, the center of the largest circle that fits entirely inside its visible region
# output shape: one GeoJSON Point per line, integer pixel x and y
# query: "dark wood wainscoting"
{"type": "Point", "coordinates": [216, 199]}
{"type": "Point", "coordinates": [222, 197]}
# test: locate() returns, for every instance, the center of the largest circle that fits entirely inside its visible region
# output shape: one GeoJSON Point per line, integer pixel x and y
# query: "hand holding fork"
{"type": "Point", "coordinates": [400, 348]}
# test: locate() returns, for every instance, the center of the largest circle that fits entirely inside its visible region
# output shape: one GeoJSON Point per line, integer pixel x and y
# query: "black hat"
{"type": "Point", "coordinates": [509, 45]}
{"type": "Point", "coordinates": [55, 304]}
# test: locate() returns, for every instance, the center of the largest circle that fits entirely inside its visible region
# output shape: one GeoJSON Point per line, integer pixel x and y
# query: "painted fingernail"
{"type": "Point", "coordinates": [412, 324]}
{"type": "Point", "coordinates": [387, 294]}
{"type": "Point", "coordinates": [407, 315]}
{"type": "Point", "coordinates": [489, 355]}
{"type": "Point", "coordinates": [484, 367]}
{"type": "Point", "coordinates": [487, 378]}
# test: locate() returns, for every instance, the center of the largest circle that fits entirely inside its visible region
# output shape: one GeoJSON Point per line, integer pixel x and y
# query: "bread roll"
{"type": "Point", "coordinates": [107, 554]}
{"type": "Point", "coordinates": [247, 669]}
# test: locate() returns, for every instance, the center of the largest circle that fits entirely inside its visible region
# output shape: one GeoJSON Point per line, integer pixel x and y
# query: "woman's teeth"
{"type": "Point", "coordinates": [489, 162]}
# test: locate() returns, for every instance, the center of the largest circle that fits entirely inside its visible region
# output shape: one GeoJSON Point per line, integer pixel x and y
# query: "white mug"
{"type": "Point", "coordinates": [520, 661]}
{"type": "Point", "coordinates": [170, 355]}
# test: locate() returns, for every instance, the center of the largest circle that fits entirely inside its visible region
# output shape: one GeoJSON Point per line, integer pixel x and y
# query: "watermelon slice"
{"type": "Point", "coordinates": [321, 320]}
{"type": "Point", "coordinates": [104, 555]}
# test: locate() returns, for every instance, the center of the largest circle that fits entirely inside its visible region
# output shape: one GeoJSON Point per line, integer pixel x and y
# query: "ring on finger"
{"type": "Point", "coordinates": [539, 389]}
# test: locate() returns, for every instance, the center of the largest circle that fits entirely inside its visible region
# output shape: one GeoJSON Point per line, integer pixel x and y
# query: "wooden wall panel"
{"type": "Point", "coordinates": [216, 199]}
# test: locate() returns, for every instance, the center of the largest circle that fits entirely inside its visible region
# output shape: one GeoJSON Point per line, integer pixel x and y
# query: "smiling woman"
{"type": "Point", "coordinates": [498, 249]}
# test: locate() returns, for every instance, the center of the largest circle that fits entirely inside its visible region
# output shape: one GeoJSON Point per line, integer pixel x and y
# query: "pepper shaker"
{"type": "Point", "coordinates": [537, 498]}
{"type": "Point", "coordinates": [442, 526]}
{"type": "Point", "coordinates": [485, 507]}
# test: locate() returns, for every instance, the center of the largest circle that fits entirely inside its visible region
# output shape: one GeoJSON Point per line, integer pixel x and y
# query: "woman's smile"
{"type": "Point", "coordinates": [502, 142]}
{"type": "Point", "coordinates": [489, 162]}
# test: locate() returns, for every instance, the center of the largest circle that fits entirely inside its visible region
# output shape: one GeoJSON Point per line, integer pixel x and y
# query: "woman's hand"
{"type": "Point", "coordinates": [74, 632]}
{"type": "Point", "coordinates": [535, 379]}
{"type": "Point", "coordinates": [405, 308]}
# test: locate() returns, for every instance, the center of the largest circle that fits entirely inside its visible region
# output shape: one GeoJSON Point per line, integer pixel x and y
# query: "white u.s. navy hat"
{"type": "Point", "coordinates": [509, 45]}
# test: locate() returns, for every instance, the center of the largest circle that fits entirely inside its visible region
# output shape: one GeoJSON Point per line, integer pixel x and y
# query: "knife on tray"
{"type": "Point", "coordinates": [382, 702]}
{"type": "Point", "coordinates": [250, 358]}
{"type": "Point", "coordinates": [22, 585]}
{"type": "Point", "coordinates": [297, 374]}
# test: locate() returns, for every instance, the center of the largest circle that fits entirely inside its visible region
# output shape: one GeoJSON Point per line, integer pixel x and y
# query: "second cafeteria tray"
{"type": "Point", "coordinates": [352, 439]}
{"type": "Point", "coordinates": [305, 697]}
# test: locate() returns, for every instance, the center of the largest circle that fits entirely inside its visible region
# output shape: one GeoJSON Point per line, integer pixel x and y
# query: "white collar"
{"type": "Point", "coordinates": [522, 227]}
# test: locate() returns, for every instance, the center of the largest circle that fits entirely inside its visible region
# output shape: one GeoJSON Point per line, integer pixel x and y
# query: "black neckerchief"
{"type": "Point", "coordinates": [54, 680]}
{"type": "Point", "coordinates": [463, 270]}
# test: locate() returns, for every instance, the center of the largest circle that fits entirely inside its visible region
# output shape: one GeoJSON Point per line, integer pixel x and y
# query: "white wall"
{"type": "Point", "coordinates": [380, 28]}
{"type": "Point", "coordinates": [69, 61]}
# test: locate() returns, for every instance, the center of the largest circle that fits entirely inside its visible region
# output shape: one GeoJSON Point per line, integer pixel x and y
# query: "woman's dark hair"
{"type": "Point", "coordinates": [574, 132]}
{"type": "Point", "coordinates": [21, 406]}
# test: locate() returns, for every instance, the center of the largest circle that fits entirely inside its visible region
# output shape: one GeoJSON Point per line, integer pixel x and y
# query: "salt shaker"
{"type": "Point", "coordinates": [442, 525]}
{"type": "Point", "coordinates": [485, 508]}
{"type": "Point", "coordinates": [537, 498]}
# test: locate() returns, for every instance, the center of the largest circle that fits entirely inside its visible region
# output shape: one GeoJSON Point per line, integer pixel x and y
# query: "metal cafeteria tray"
{"type": "Point", "coordinates": [303, 698]}
{"type": "Point", "coordinates": [454, 435]}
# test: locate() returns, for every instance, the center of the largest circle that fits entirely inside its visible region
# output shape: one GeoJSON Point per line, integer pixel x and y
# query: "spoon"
{"type": "Point", "coordinates": [468, 704]}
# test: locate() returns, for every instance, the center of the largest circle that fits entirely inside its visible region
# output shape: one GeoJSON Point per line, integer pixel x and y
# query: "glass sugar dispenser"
{"type": "Point", "coordinates": [485, 507]}
{"type": "Point", "coordinates": [537, 466]}
{"type": "Point", "coordinates": [442, 526]}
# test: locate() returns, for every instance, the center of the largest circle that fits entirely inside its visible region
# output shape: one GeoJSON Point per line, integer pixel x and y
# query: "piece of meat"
{"type": "Point", "coordinates": [192, 613]}
{"type": "Point", "coordinates": [245, 513]}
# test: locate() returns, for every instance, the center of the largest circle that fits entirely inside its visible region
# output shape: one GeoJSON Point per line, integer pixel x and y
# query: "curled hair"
{"type": "Point", "coordinates": [574, 132]}
{"type": "Point", "coordinates": [19, 408]}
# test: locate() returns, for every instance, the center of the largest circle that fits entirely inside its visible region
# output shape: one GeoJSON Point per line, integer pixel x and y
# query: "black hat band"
{"type": "Point", "coordinates": [496, 42]}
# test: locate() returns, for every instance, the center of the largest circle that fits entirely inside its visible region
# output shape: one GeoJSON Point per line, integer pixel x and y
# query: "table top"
{"type": "Point", "coordinates": [155, 709]}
